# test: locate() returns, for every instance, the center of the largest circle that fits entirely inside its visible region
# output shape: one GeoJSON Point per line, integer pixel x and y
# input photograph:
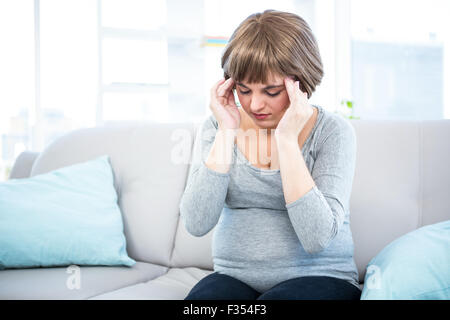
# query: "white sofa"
{"type": "Point", "coordinates": [402, 182]}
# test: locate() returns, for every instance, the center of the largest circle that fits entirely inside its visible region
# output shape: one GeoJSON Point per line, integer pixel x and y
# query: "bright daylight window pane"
{"type": "Point", "coordinates": [16, 80]}
{"type": "Point", "coordinates": [151, 106]}
{"type": "Point", "coordinates": [134, 14]}
{"type": "Point", "coordinates": [222, 16]}
{"type": "Point", "coordinates": [139, 61]}
{"type": "Point", "coordinates": [69, 65]}
{"type": "Point", "coordinates": [398, 63]}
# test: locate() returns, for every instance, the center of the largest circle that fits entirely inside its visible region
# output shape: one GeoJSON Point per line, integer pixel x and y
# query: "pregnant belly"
{"type": "Point", "coordinates": [256, 236]}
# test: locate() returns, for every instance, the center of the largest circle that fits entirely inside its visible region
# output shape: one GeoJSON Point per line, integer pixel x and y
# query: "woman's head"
{"type": "Point", "coordinates": [273, 42]}
{"type": "Point", "coordinates": [264, 49]}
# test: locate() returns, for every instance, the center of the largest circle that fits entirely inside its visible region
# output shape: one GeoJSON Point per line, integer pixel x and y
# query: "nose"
{"type": "Point", "coordinates": [257, 105]}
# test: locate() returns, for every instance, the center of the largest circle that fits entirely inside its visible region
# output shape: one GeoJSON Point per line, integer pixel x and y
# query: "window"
{"type": "Point", "coordinates": [78, 63]}
{"type": "Point", "coordinates": [66, 68]}
{"type": "Point", "coordinates": [134, 61]}
{"type": "Point", "coordinates": [69, 64]}
{"type": "Point", "coordinates": [398, 58]}
{"type": "Point", "coordinates": [48, 73]}
{"type": "Point", "coordinates": [17, 85]}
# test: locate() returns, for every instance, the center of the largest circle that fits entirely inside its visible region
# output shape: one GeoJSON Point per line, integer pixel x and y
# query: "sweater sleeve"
{"type": "Point", "coordinates": [318, 215]}
{"type": "Point", "coordinates": [205, 192]}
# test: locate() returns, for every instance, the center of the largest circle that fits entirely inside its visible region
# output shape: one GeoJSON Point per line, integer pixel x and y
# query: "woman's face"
{"type": "Point", "coordinates": [264, 98]}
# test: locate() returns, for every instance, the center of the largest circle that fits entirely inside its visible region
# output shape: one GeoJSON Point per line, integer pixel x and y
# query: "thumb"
{"type": "Point", "coordinates": [289, 84]}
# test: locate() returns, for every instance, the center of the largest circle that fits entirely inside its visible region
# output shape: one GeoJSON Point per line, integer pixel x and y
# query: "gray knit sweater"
{"type": "Point", "coordinates": [259, 239]}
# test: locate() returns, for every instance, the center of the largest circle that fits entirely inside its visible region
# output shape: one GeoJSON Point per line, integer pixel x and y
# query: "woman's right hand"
{"type": "Point", "coordinates": [223, 105]}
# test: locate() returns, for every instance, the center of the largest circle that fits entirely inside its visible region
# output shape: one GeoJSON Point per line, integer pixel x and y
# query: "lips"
{"type": "Point", "coordinates": [261, 116]}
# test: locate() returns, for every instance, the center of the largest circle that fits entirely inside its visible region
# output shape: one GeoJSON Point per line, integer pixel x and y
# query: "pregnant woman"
{"type": "Point", "coordinates": [274, 176]}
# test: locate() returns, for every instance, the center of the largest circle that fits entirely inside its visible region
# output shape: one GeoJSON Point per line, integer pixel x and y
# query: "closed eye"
{"type": "Point", "coordinates": [270, 94]}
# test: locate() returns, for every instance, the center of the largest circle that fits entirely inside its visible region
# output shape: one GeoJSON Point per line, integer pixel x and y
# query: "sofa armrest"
{"type": "Point", "coordinates": [23, 164]}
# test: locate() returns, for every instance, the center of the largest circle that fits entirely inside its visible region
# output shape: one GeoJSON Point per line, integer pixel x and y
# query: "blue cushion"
{"type": "Point", "coordinates": [414, 266]}
{"type": "Point", "coordinates": [67, 216]}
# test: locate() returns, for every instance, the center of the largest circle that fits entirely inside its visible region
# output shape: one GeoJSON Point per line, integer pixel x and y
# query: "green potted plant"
{"type": "Point", "coordinates": [347, 109]}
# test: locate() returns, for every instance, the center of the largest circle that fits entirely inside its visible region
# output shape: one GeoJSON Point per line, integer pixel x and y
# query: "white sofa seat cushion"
{"type": "Point", "coordinates": [51, 283]}
{"type": "Point", "coordinates": [174, 285]}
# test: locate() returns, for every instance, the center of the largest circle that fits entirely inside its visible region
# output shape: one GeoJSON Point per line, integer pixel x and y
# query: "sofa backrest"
{"type": "Point", "coordinates": [148, 180]}
{"type": "Point", "coordinates": [402, 182]}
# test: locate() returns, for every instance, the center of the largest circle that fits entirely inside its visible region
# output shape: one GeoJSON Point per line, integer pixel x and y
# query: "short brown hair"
{"type": "Point", "coordinates": [273, 42]}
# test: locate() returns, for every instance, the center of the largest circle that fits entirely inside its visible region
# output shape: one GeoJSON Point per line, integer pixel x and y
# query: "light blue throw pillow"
{"type": "Point", "coordinates": [415, 266]}
{"type": "Point", "coordinates": [63, 217]}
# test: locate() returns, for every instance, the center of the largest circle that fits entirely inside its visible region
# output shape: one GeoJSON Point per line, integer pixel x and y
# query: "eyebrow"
{"type": "Point", "coordinates": [268, 87]}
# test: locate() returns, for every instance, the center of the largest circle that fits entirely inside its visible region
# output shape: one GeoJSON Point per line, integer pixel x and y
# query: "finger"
{"type": "Point", "coordinates": [226, 86]}
{"type": "Point", "coordinates": [299, 94]}
{"type": "Point", "coordinates": [230, 99]}
{"type": "Point", "coordinates": [303, 96]}
{"type": "Point", "coordinates": [216, 85]}
{"type": "Point", "coordinates": [289, 84]}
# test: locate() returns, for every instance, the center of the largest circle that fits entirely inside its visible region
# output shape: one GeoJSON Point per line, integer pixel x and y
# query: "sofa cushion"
{"type": "Point", "coordinates": [190, 251]}
{"type": "Point", "coordinates": [434, 173]}
{"type": "Point", "coordinates": [70, 216]}
{"type": "Point", "coordinates": [384, 203]}
{"type": "Point", "coordinates": [414, 266]}
{"type": "Point", "coordinates": [62, 283]}
{"type": "Point", "coordinates": [174, 285]}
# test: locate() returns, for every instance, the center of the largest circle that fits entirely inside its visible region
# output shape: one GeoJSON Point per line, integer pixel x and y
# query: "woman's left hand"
{"type": "Point", "coordinates": [296, 115]}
